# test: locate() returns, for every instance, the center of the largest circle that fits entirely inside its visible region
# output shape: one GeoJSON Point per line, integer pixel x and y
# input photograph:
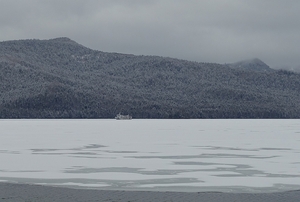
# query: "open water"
{"type": "Point", "coordinates": [165, 155]}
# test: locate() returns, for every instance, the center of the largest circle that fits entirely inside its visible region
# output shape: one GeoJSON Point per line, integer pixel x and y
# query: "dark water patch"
{"type": "Point", "coordinates": [70, 153]}
{"type": "Point", "coordinates": [218, 155]}
{"type": "Point", "coordinates": [49, 153]}
{"type": "Point", "coordinates": [222, 155]}
{"type": "Point", "coordinates": [281, 175]}
{"type": "Point", "coordinates": [44, 150]}
{"type": "Point", "coordinates": [28, 171]}
{"type": "Point", "coordinates": [192, 163]}
{"type": "Point", "coordinates": [164, 157]}
{"type": "Point", "coordinates": [281, 189]}
{"type": "Point", "coordinates": [276, 149]}
{"type": "Point", "coordinates": [228, 166]}
{"type": "Point", "coordinates": [225, 148]}
{"type": "Point", "coordinates": [137, 183]}
{"type": "Point", "coordinates": [238, 170]}
{"type": "Point", "coordinates": [130, 170]}
{"type": "Point", "coordinates": [242, 149]}
{"type": "Point", "coordinates": [99, 170]}
{"type": "Point", "coordinates": [91, 157]}
{"type": "Point", "coordinates": [108, 183]}
{"type": "Point", "coordinates": [84, 153]}
{"type": "Point", "coordinates": [256, 173]}
{"type": "Point", "coordinates": [87, 147]}
{"type": "Point", "coordinates": [9, 152]}
{"type": "Point", "coordinates": [86, 150]}
{"type": "Point", "coordinates": [121, 152]}
{"type": "Point", "coordinates": [94, 146]}
{"type": "Point", "coordinates": [22, 171]}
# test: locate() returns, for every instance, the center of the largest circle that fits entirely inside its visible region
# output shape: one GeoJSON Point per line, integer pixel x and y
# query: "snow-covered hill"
{"type": "Point", "coordinates": [60, 78]}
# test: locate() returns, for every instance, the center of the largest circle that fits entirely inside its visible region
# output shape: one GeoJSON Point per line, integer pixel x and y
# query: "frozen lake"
{"type": "Point", "coordinates": [173, 155]}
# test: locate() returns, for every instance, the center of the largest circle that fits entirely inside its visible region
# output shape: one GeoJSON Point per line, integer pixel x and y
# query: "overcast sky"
{"type": "Point", "coordinates": [221, 31]}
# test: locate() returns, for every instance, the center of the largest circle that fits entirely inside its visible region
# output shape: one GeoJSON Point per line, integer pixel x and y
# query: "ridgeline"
{"type": "Point", "coordinates": [59, 78]}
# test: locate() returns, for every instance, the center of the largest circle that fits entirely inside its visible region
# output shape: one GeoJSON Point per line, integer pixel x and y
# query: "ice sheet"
{"type": "Point", "coordinates": [151, 153]}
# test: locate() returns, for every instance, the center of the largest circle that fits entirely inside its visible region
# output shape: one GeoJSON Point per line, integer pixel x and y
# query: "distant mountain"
{"type": "Point", "coordinates": [293, 69]}
{"type": "Point", "coordinates": [60, 78]}
{"type": "Point", "coordinates": [252, 65]}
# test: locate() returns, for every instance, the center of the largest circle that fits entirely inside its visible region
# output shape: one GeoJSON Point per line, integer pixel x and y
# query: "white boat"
{"type": "Point", "coordinates": [123, 117]}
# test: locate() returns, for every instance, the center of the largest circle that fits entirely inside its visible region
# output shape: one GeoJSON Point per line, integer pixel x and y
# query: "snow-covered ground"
{"type": "Point", "coordinates": [175, 155]}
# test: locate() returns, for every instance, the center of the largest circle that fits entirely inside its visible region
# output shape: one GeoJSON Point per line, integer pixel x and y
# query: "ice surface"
{"type": "Point", "coordinates": [151, 153]}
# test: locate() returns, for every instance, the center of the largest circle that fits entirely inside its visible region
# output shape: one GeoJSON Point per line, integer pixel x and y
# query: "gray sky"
{"type": "Point", "coordinates": [221, 31]}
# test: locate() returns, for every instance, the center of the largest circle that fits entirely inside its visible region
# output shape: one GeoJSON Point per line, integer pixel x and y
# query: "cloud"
{"type": "Point", "coordinates": [200, 30]}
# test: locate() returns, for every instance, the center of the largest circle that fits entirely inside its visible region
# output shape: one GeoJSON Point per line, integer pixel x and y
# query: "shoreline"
{"type": "Point", "coordinates": [14, 192]}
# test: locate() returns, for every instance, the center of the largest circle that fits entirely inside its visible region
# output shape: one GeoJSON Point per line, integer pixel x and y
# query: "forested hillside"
{"type": "Point", "coordinates": [59, 78]}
